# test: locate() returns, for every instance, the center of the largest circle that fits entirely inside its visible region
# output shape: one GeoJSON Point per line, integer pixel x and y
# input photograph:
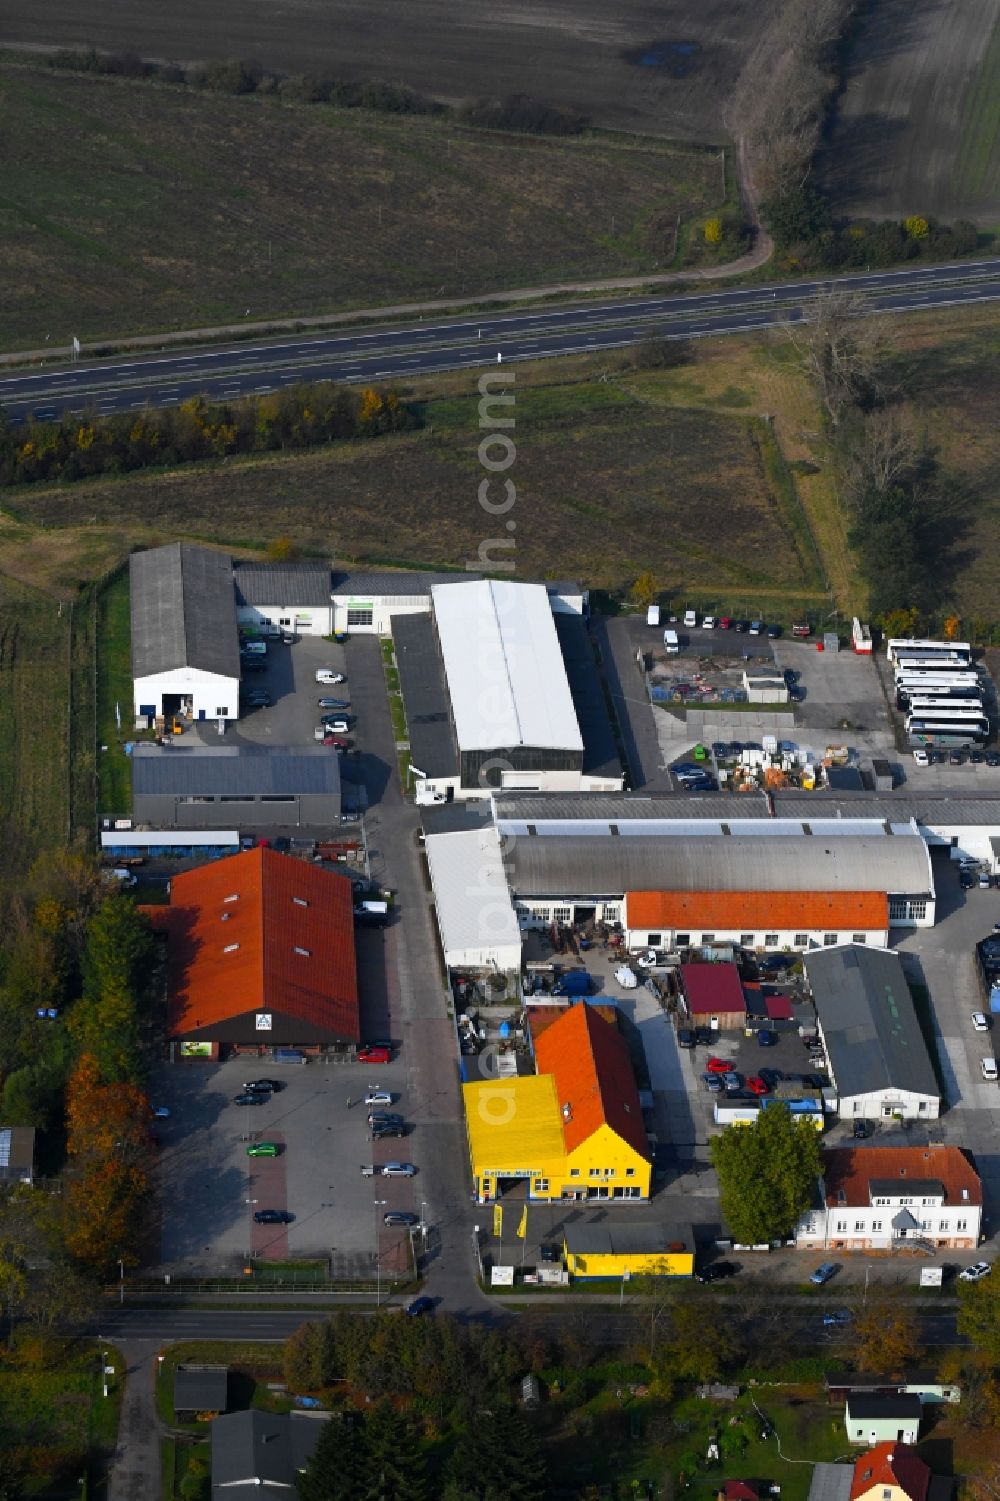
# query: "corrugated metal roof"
{"type": "Point", "coordinates": [831, 1482]}
{"type": "Point", "coordinates": [183, 611]}
{"type": "Point", "coordinates": [425, 696]}
{"type": "Point", "coordinates": [557, 866]}
{"type": "Point", "coordinates": [538, 807]}
{"type": "Point", "coordinates": [930, 809]}
{"type": "Point", "coordinates": [473, 903]}
{"type": "Point", "coordinates": [506, 678]}
{"type": "Point", "coordinates": [376, 584]}
{"type": "Point", "coordinates": [282, 584]}
{"type": "Point", "coordinates": [185, 770]}
{"type": "Point", "coordinates": [869, 1023]}
{"type": "Point", "coordinates": [600, 753]}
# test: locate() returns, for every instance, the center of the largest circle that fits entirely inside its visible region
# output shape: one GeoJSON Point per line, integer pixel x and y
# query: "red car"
{"type": "Point", "coordinates": [719, 1066]}
{"type": "Point", "coordinates": [337, 742]}
{"type": "Point", "coordinates": [374, 1055]}
{"type": "Point", "coordinates": [756, 1083]}
{"type": "Point", "coordinates": [725, 622]}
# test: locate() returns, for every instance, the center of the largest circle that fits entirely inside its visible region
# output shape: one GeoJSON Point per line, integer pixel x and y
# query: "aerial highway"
{"type": "Point", "coordinates": [400, 352]}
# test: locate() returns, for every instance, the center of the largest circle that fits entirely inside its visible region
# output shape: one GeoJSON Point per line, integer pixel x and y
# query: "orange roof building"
{"type": "Point", "coordinates": [260, 950]}
{"type": "Point", "coordinates": [890, 1472]}
{"type": "Point", "coordinates": [759, 919]}
{"type": "Point", "coordinates": [603, 1128]}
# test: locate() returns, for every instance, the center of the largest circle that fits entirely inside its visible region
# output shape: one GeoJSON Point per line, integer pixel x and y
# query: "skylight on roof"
{"type": "Point", "coordinates": [233, 897]}
{"type": "Point", "coordinates": [230, 948]}
{"type": "Point", "coordinates": [300, 901]}
{"type": "Point", "coordinates": [304, 952]}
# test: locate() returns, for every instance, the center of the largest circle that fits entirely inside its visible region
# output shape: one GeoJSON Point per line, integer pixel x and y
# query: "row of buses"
{"type": "Point", "coordinates": [940, 691]}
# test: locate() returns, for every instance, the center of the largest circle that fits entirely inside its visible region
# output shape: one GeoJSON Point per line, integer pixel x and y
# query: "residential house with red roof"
{"type": "Point", "coordinates": [874, 1198]}
{"type": "Point", "coordinates": [260, 953]}
{"type": "Point", "coordinates": [890, 1471]}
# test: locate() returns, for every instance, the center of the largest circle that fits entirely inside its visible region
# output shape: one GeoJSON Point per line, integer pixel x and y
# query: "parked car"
{"type": "Point", "coordinates": [966, 880]}
{"type": "Point", "coordinates": [327, 675]}
{"type": "Point", "coordinates": [713, 1083]}
{"type": "Point", "coordinates": [336, 742]}
{"type": "Point", "coordinates": [774, 631]}
{"type": "Point", "coordinates": [550, 1253]}
{"type": "Point", "coordinates": [273, 1217]}
{"type": "Point", "coordinates": [742, 626]}
{"type": "Point", "coordinates": [708, 623]}
{"type": "Point", "coordinates": [336, 726]}
{"type": "Point", "coordinates": [400, 1217]}
{"type": "Point", "coordinates": [979, 1022]}
{"type": "Point", "coordinates": [334, 703]}
{"type": "Point", "coordinates": [685, 1037]}
{"type": "Point", "coordinates": [725, 622]}
{"type": "Point", "coordinates": [975, 1273]}
{"type": "Point", "coordinates": [716, 1271]}
{"type": "Point", "coordinates": [732, 1081]}
{"type": "Point", "coordinates": [862, 1130]}
{"type": "Point", "coordinates": [384, 1118]}
{"type": "Point", "coordinates": [382, 1130]}
{"type": "Point", "coordinates": [374, 1096]}
{"type": "Point", "coordinates": [420, 1306]}
{"type": "Point", "coordinates": [756, 626]}
{"type": "Point", "coordinates": [263, 1086]}
{"type": "Point", "coordinates": [824, 1272]}
{"type": "Point", "coordinates": [988, 1067]}
{"type": "Point", "coordinates": [374, 1055]}
{"type": "Point", "coordinates": [288, 638]}
{"type": "Point", "coordinates": [984, 880]}
{"type": "Point", "coordinates": [398, 1170]}
{"type": "Point", "coordinates": [771, 1076]}
{"type": "Point", "coordinates": [718, 1066]}
{"type": "Point", "coordinates": [704, 1036]}
{"type": "Point", "coordinates": [161, 1112]}
{"type": "Point", "coordinates": [838, 1319]}
{"type": "Point", "coordinates": [262, 1149]}
{"type": "Point", "coordinates": [802, 630]}
{"type": "Point", "coordinates": [756, 1084]}
{"type": "Point", "coordinates": [766, 1039]}
{"type": "Point", "coordinates": [993, 758]}
{"type": "Point", "coordinates": [256, 698]}
{"type": "Point", "coordinates": [251, 1099]}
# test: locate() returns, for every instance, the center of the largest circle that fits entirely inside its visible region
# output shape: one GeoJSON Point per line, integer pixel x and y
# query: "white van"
{"type": "Point", "coordinates": [671, 643]}
{"type": "Point", "coordinates": [652, 615]}
{"type": "Point", "coordinates": [690, 619]}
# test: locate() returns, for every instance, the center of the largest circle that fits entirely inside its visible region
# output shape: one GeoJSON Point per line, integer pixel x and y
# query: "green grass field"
{"type": "Point", "coordinates": [978, 168]}
{"type": "Point", "coordinates": [613, 477]}
{"type": "Point", "coordinates": [34, 719]}
{"type": "Point", "coordinates": [176, 208]}
{"type": "Point", "coordinates": [58, 1420]}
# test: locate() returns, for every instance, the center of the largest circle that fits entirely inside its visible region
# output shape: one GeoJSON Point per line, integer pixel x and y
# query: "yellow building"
{"type": "Point", "coordinates": [630, 1250]}
{"type": "Point", "coordinates": [573, 1131]}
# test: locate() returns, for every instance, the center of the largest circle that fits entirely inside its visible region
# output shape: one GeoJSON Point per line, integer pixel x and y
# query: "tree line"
{"type": "Point", "coordinates": [75, 447]}
{"type": "Point", "coordinates": [515, 111]}
{"type": "Point", "coordinates": [78, 980]}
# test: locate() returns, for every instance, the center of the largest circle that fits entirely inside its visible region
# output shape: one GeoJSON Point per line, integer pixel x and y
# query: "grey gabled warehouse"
{"type": "Point", "coordinates": [228, 786]}
{"type": "Point", "coordinates": [878, 1059]}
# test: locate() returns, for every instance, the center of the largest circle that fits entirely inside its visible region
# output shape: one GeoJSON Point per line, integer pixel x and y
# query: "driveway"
{"type": "Point", "coordinates": [630, 703]}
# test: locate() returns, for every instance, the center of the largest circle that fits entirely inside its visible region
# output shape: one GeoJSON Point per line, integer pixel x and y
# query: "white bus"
{"type": "Point", "coordinates": [946, 711]}
{"type": "Point", "coordinates": [976, 729]}
{"type": "Point", "coordinates": [905, 663]}
{"type": "Point", "coordinates": [961, 706]}
{"type": "Point", "coordinates": [913, 647]}
{"type": "Point", "coordinates": [957, 677]}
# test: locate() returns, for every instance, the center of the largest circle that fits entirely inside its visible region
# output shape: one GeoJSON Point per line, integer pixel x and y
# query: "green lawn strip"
{"type": "Point", "coordinates": [34, 717]}
{"type": "Point", "coordinates": [781, 484]}
{"type": "Point", "coordinates": [168, 1467]}
{"type": "Point", "coordinates": [114, 696]}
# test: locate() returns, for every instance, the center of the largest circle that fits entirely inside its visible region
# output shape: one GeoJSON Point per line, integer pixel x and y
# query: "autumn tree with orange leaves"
{"type": "Point", "coordinates": [108, 1180]}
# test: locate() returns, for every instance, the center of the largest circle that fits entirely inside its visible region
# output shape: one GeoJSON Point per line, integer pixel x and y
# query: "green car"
{"type": "Point", "coordinates": [262, 1149]}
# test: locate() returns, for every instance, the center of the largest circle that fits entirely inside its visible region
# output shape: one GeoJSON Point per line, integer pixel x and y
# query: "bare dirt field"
{"type": "Point", "coordinates": [129, 207]}
{"type": "Point", "coordinates": [919, 124]}
{"type": "Point", "coordinates": [634, 65]}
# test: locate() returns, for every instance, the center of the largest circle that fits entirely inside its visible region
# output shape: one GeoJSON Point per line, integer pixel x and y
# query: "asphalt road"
{"type": "Point", "coordinates": [164, 1326]}
{"type": "Point", "coordinates": [394, 353]}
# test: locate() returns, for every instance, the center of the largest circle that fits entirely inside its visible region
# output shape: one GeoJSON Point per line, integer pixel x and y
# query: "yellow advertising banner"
{"type": "Point", "coordinates": [497, 1221]}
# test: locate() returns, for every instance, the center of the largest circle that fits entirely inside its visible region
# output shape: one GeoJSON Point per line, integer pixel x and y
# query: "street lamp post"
{"type": "Point", "coordinates": [250, 1203]}
{"type": "Point", "coordinates": [378, 1204]}
{"type": "Point", "coordinates": [121, 1281]}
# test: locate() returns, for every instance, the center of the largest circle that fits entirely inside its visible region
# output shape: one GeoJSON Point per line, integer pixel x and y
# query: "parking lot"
{"type": "Point", "coordinates": [289, 676]}
{"type": "Point", "coordinates": [211, 1188]}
